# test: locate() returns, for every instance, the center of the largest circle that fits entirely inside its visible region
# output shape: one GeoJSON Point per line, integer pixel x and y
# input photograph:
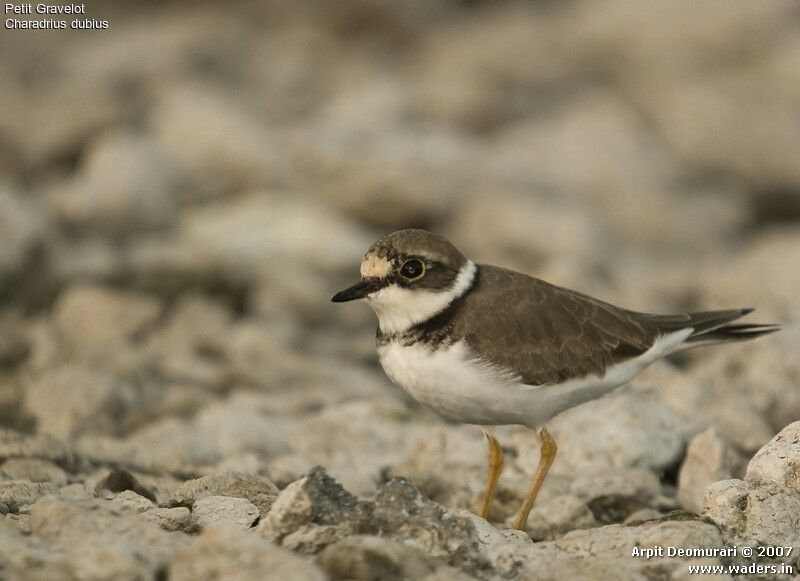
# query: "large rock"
{"type": "Point", "coordinates": [468, 79]}
{"type": "Point", "coordinates": [709, 396]}
{"type": "Point", "coordinates": [15, 347]}
{"type": "Point", "coordinates": [608, 137]}
{"type": "Point", "coordinates": [366, 557]}
{"type": "Point", "coordinates": [592, 553]}
{"type": "Point", "coordinates": [778, 462]}
{"type": "Point", "coordinates": [42, 446]}
{"type": "Point", "coordinates": [33, 469]}
{"type": "Point", "coordinates": [709, 458]}
{"type": "Point", "coordinates": [26, 557]}
{"type": "Point", "coordinates": [772, 516]}
{"type": "Point", "coordinates": [264, 229]}
{"type": "Point", "coordinates": [764, 509]}
{"type": "Point", "coordinates": [227, 554]}
{"type": "Point", "coordinates": [315, 511]}
{"type": "Point", "coordinates": [216, 139]}
{"type": "Point", "coordinates": [607, 551]}
{"type": "Point", "coordinates": [376, 425]}
{"type": "Point", "coordinates": [166, 445]}
{"type": "Point", "coordinates": [755, 515]}
{"type": "Point", "coordinates": [14, 494]}
{"type": "Point", "coordinates": [22, 228]}
{"type": "Point", "coordinates": [644, 434]}
{"type": "Point", "coordinates": [739, 281]}
{"type": "Point", "coordinates": [127, 185]}
{"type": "Point", "coordinates": [403, 514]}
{"type": "Point", "coordinates": [98, 541]}
{"type": "Point", "coordinates": [75, 399]}
{"type": "Point", "coordinates": [95, 321]}
{"type": "Point", "coordinates": [224, 511]}
{"type": "Point", "coordinates": [523, 231]}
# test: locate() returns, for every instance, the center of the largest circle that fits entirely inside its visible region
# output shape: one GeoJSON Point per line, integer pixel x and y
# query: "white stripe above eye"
{"type": "Point", "coordinates": [399, 308]}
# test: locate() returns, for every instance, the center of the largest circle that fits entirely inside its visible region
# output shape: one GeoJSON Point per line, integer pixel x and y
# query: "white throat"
{"type": "Point", "coordinates": [398, 308]}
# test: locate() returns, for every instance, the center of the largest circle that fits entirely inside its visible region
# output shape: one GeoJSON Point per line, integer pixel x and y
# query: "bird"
{"type": "Point", "coordinates": [485, 345]}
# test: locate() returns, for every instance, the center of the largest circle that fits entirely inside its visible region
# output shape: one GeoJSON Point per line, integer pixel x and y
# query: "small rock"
{"type": "Point", "coordinates": [614, 508]}
{"type": "Point", "coordinates": [257, 489]}
{"type": "Point", "coordinates": [224, 510]}
{"type": "Point", "coordinates": [313, 512]}
{"type": "Point", "coordinates": [637, 483]}
{"type": "Point", "coordinates": [709, 458]}
{"type": "Point", "coordinates": [74, 399]}
{"type": "Point", "coordinates": [285, 469]}
{"type": "Point", "coordinates": [169, 519]}
{"type": "Point", "coordinates": [778, 462]}
{"type": "Point", "coordinates": [119, 481]}
{"type": "Point", "coordinates": [366, 557]}
{"type": "Point", "coordinates": [96, 321]}
{"type": "Point", "coordinates": [642, 516]}
{"type": "Point", "coordinates": [15, 346]}
{"type": "Point", "coordinates": [228, 554]}
{"type": "Point", "coordinates": [385, 196]}
{"type": "Point", "coordinates": [558, 516]}
{"type": "Point", "coordinates": [725, 501]}
{"type": "Point", "coordinates": [376, 423]}
{"type": "Point", "coordinates": [15, 494]}
{"type": "Point", "coordinates": [129, 499]}
{"type": "Point", "coordinates": [77, 490]}
{"type": "Point", "coordinates": [33, 469]}
{"type": "Point", "coordinates": [23, 522]}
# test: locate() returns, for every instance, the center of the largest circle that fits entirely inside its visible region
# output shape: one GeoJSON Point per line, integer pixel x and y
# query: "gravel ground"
{"type": "Point", "coordinates": [181, 194]}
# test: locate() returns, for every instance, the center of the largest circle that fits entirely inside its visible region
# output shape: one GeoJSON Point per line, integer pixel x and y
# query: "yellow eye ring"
{"type": "Point", "coordinates": [412, 269]}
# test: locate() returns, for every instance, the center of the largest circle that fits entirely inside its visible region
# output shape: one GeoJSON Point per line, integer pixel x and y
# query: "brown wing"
{"type": "Point", "coordinates": [549, 334]}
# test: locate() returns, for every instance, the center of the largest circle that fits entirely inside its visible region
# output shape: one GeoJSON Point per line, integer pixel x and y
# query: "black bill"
{"type": "Point", "coordinates": [357, 291]}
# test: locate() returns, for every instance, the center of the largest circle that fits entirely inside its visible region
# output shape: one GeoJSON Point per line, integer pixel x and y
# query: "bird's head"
{"type": "Point", "coordinates": [409, 276]}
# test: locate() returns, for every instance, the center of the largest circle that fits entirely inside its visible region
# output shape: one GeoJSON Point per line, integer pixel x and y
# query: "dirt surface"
{"type": "Point", "coordinates": [183, 192]}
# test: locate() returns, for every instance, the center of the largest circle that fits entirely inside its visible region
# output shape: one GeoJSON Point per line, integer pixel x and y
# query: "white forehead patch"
{"type": "Point", "coordinates": [375, 267]}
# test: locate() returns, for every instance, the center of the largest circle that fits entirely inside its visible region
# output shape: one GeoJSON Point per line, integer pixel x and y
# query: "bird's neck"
{"type": "Point", "coordinates": [399, 309]}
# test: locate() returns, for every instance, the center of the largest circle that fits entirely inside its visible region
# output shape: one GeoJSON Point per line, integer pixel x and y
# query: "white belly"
{"type": "Point", "coordinates": [453, 383]}
{"type": "Point", "coordinates": [450, 381]}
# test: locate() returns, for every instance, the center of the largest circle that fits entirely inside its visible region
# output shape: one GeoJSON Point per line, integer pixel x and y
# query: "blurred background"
{"type": "Point", "coordinates": [181, 194]}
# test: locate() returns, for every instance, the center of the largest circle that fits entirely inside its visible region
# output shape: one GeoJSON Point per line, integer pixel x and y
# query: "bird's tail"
{"type": "Point", "coordinates": [708, 327]}
{"type": "Point", "coordinates": [713, 327]}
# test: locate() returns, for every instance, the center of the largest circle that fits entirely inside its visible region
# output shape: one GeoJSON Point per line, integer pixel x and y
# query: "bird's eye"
{"type": "Point", "coordinates": [412, 269]}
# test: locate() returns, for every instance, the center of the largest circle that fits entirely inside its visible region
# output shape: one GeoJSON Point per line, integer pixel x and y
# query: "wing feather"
{"type": "Point", "coordinates": [545, 333]}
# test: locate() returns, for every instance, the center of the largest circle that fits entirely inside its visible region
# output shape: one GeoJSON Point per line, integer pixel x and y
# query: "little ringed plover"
{"type": "Point", "coordinates": [483, 345]}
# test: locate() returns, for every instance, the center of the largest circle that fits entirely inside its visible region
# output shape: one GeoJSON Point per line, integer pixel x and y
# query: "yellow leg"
{"type": "Point", "coordinates": [495, 468]}
{"type": "Point", "coordinates": [548, 454]}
